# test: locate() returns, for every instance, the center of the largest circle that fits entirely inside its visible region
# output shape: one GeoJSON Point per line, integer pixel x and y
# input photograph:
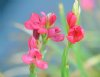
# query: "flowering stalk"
{"type": "Point", "coordinates": [75, 33]}
{"type": "Point", "coordinates": [43, 29]}
{"type": "Point", "coordinates": [32, 66]}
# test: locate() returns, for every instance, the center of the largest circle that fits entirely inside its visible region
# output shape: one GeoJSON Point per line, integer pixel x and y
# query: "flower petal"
{"type": "Point", "coordinates": [35, 53]}
{"type": "Point", "coordinates": [32, 42]}
{"type": "Point", "coordinates": [71, 19]}
{"type": "Point", "coordinates": [51, 18]}
{"type": "Point", "coordinates": [42, 31]}
{"type": "Point", "coordinates": [28, 24]}
{"type": "Point", "coordinates": [27, 59]}
{"type": "Point", "coordinates": [58, 37]}
{"type": "Point", "coordinates": [71, 39]}
{"type": "Point", "coordinates": [75, 34]}
{"type": "Point", "coordinates": [53, 31]}
{"type": "Point", "coordinates": [41, 64]}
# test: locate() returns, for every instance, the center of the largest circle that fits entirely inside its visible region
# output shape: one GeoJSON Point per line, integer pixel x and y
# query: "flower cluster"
{"type": "Point", "coordinates": [41, 26]}
{"type": "Point", "coordinates": [44, 25]}
{"type": "Point", "coordinates": [76, 32]}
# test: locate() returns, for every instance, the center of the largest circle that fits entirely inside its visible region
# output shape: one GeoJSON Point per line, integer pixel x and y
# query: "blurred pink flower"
{"type": "Point", "coordinates": [35, 57]}
{"type": "Point", "coordinates": [87, 4]}
{"type": "Point", "coordinates": [32, 56]}
{"type": "Point", "coordinates": [42, 30]}
{"type": "Point", "coordinates": [71, 19]}
{"type": "Point", "coordinates": [54, 34]}
{"type": "Point", "coordinates": [51, 18]}
{"type": "Point", "coordinates": [58, 37]}
{"type": "Point", "coordinates": [36, 22]}
{"type": "Point", "coordinates": [27, 59]}
{"type": "Point", "coordinates": [41, 64]}
{"type": "Point", "coordinates": [75, 34]}
{"type": "Point", "coordinates": [32, 42]}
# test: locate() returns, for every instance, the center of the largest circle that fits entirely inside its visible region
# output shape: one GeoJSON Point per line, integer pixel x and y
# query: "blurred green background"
{"type": "Point", "coordinates": [14, 37]}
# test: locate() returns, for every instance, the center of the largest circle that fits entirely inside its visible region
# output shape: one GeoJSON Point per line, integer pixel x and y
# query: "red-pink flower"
{"type": "Point", "coordinates": [71, 19]}
{"type": "Point", "coordinates": [51, 18]}
{"type": "Point", "coordinates": [35, 57]}
{"type": "Point", "coordinates": [75, 34]}
{"type": "Point", "coordinates": [36, 22]}
{"type": "Point", "coordinates": [32, 43]}
{"type": "Point", "coordinates": [87, 4]}
{"type": "Point", "coordinates": [54, 34]}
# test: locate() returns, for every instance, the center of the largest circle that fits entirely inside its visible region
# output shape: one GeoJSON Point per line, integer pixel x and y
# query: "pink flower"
{"type": "Point", "coordinates": [51, 19]}
{"type": "Point", "coordinates": [71, 19]}
{"type": "Point", "coordinates": [42, 30]}
{"type": "Point", "coordinates": [36, 22]}
{"type": "Point", "coordinates": [41, 64]}
{"type": "Point", "coordinates": [27, 59]}
{"type": "Point", "coordinates": [28, 24]}
{"type": "Point", "coordinates": [32, 43]}
{"type": "Point", "coordinates": [87, 4]}
{"type": "Point", "coordinates": [53, 31]}
{"type": "Point", "coordinates": [32, 56]}
{"type": "Point", "coordinates": [35, 57]}
{"type": "Point", "coordinates": [58, 37]}
{"type": "Point", "coordinates": [75, 34]}
{"type": "Point", "coordinates": [54, 34]}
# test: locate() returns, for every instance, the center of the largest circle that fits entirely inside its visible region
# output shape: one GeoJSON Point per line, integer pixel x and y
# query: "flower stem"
{"type": "Point", "coordinates": [65, 65]}
{"type": "Point", "coordinates": [32, 71]}
{"type": "Point", "coordinates": [44, 42]}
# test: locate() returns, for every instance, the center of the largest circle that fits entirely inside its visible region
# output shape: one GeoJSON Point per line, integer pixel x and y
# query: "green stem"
{"type": "Point", "coordinates": [65, 65]}
{"type": "Point", "coordinates": [44, 42]}
{"type": "Point", "coordinates": [32, 71]}
{"type": "Point", "coordinates": [44, 45]}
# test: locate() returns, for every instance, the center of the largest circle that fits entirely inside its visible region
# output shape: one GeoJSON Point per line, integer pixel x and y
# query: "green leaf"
{"type": "Point", "coordinates": [63, 18]}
